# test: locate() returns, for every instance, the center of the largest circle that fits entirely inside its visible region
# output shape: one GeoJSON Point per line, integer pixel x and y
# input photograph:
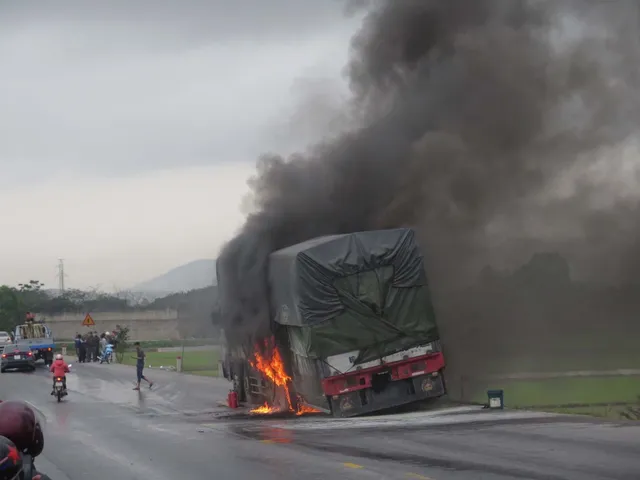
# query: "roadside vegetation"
{"type": "Point", "coordinates": [612, 397]}
{"type": "Point", "coordinates": [151, 345]}
{"type": "Point", "coordinates": [195, 362]}
{"type": "Point", "coordinates": [33, 296]}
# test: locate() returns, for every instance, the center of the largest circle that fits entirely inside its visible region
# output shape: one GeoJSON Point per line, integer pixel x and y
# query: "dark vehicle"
{"type": "Point", "coordinates": [17, 357]}
{"type": "Point", "coordinates": [352, 317]}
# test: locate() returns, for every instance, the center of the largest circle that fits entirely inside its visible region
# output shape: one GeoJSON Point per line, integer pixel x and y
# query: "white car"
{"type": "Point", "coordinates": [5, 338]}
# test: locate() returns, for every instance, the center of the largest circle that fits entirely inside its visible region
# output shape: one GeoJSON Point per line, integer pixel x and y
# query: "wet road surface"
{"type": "Point", "coordinates": [104, 429]}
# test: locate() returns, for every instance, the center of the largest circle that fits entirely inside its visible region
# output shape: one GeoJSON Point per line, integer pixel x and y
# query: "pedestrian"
{"type": "Point", "coordinates": [89, 342]}
{"type": "Point", "coordinates": [83, 350]}
{"type": "Point", "coordinates": [96, 346]}
{"type": "Point", "coordinates": [140, 358]}
{"type": "Point", "coordinates": [78, 342]}
{"type": "Point", "coordinates": [103, 344]}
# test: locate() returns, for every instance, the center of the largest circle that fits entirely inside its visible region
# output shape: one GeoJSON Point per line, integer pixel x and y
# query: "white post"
{"type": "Point", "coordinates": [178, 364]}
{"type": "Point", "coordinates": [64, 350]}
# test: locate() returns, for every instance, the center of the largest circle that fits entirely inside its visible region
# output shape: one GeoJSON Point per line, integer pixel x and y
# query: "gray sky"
{"type": "Point", "coordinates": [128, 128]}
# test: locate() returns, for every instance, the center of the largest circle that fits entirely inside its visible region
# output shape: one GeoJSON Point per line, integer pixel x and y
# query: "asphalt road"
{"type": "Point", "coordinates": [104, 429]}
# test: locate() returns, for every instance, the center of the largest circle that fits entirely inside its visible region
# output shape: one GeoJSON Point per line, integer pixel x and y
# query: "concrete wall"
{"type": "Point", "coordinates": [149, 325]}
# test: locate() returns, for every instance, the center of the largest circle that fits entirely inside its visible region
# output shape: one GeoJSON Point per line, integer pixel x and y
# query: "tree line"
{"type": "Point", "coordinates": [32, 296]}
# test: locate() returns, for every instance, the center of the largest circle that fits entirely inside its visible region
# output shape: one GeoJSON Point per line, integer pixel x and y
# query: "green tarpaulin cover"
{"type": "Point", "coordinates": [362, 291]}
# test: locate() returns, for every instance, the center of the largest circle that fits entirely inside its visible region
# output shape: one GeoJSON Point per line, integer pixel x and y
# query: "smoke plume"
{"type": "Point", "coordinates": [495, 127]}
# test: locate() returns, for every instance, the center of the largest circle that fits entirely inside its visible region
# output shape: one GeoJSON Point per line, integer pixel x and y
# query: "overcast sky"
{"type": "Point", "coordinates": [128, 129]}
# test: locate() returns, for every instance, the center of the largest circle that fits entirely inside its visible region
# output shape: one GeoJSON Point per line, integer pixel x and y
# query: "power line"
{"type": "Point", "coordinates": [61, 275]}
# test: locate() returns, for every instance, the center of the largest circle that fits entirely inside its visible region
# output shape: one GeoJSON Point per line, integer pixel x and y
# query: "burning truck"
{"type": "Point", "coordinates": [352, 329]}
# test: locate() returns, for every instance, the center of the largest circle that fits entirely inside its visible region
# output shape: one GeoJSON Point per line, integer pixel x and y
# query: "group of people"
{"type": "Point", "coordinates": [21, 440]}
{"type": "Point", "coordinates": [90, 346]}
{"type": "Point", "coordinates": [21, 436]}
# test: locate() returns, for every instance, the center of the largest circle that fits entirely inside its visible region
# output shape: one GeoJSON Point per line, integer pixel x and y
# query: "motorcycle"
{"type": "Point", "coordinates": [107, 355]}
{"type": "Point", "coordinates": [29, 468]}
{"type": "Point", "coordinates": [58, 389]}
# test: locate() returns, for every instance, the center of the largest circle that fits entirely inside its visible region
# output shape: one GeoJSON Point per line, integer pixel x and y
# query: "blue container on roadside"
{"type": "Point", "coordinates": [495, 399]}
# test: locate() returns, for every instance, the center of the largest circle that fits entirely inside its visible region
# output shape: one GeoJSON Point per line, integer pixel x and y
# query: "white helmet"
{"type": "Point", "coordinates": [59, 356]}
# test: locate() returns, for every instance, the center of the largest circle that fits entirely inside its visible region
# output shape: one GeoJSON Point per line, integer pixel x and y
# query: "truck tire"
{"type": "Point", "coordinates": [48, 359]}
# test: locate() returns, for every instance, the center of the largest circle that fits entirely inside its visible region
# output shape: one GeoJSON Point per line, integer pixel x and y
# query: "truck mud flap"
{"type": "Point", "coordinates": [395, 394]}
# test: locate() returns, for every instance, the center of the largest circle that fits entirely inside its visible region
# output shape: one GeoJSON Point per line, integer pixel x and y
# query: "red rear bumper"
{"type": "Point", "coordinates": [362, 379]}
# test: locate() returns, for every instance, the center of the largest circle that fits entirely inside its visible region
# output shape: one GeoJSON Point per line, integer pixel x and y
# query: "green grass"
{"type": "Point", "coordinates": [197, 362]}
{"type": "Point", "coordinates": [151, 344]}
{"type": "Point", "coordinates": [590, 394]}
{"type": "Point", "coordinates": [555, 363]}
{"type": "Point", "coordinates": [609, 412]}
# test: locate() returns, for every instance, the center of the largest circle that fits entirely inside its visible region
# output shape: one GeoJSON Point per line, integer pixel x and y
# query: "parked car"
{"type": "Point", "coordinates": [17, 357]}
{"type": "Point", "coordinates": [5, 338]}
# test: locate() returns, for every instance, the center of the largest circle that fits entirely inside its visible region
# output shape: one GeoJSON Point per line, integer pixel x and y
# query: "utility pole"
{"type": "Point", "coordinates": [61, 275]}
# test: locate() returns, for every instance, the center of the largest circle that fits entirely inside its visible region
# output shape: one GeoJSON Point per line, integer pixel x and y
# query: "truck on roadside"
{"type": "Point", "coordinates": [352, 319]}
{"type": "Point", "coordinates": [39, 337]}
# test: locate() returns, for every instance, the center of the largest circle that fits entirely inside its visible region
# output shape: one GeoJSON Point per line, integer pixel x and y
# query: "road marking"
{"type": "Point", "coordinates": [418, 476]}
{"type": "Point", "coordinates": [352, 465]}
{"type": "Point", "coordinates": [275, 440]}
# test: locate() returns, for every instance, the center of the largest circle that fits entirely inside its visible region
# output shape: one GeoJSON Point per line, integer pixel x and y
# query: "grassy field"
{"type": "Point", "coordinates": [598, 396]}
{"type": "Point", "coordinates": [152, 343]}
{"type": "Point", "coordinates": [565, 391]}
{"type": "Point", "coordinates": [583, 359]}
{"type": "Point", "coordinates": [203, 362]}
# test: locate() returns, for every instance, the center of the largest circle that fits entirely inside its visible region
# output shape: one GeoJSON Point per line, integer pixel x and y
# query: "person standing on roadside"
{"type": "Point", "coordinates": [83, 350]}
{"type": "Point", "coordinates": [103, 344]}
{"type": "Point", "coordinates": [89, 357]}
{"type": "Point", "coordinates": [96, 346]}
{"type": "Point", "coordinates": [140, 358]}
{"type": "Point", "coordinates": [78, 343]}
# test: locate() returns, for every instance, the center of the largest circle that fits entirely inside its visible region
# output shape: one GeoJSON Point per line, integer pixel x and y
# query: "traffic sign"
{"type": "Point", "coordinates": [88, 321]}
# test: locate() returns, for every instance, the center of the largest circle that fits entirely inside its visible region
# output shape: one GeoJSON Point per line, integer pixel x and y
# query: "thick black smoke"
{"type": "Point", "coordinates": [471, 116]}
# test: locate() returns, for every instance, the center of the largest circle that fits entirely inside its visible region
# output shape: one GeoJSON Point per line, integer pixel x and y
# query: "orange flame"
{"type": "Point", "coordinates": [273, 369]}
{"type": "Point", "coordinates": [264, 409]}
{"type": "Point", "coordinates": [302, 409]}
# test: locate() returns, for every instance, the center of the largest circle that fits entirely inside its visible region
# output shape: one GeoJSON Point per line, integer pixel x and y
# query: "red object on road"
{"type": "Point", "coordinates": [232, 399]}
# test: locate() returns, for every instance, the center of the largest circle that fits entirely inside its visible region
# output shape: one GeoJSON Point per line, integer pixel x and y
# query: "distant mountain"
{"type": "Point", "coordinates": [193, 275]}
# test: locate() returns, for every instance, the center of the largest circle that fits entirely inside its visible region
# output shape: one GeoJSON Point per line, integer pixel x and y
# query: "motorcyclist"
{"type": "Point", "coordinates": [11, 467]}
{"type": "Point", "coordinates": [60, 369]}
{"type": "Point", "coordinates": [20, 424]}
{"type": "Point", "coordinates": [106, 353]}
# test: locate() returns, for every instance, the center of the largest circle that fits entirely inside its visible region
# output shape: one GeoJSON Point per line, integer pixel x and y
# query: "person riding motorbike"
{"type": "Point", "coordinates": [60, 369]}
{"type": "Point", "coordinates": [20, 424]}
{"type": "Point", "coordinates": [106, 353]}
{"type": "Point", "coordinates": [11, 467]}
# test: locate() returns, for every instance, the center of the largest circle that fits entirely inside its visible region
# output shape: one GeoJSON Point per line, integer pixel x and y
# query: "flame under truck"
{"type": "Point", "coordinates": [353, 319]}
